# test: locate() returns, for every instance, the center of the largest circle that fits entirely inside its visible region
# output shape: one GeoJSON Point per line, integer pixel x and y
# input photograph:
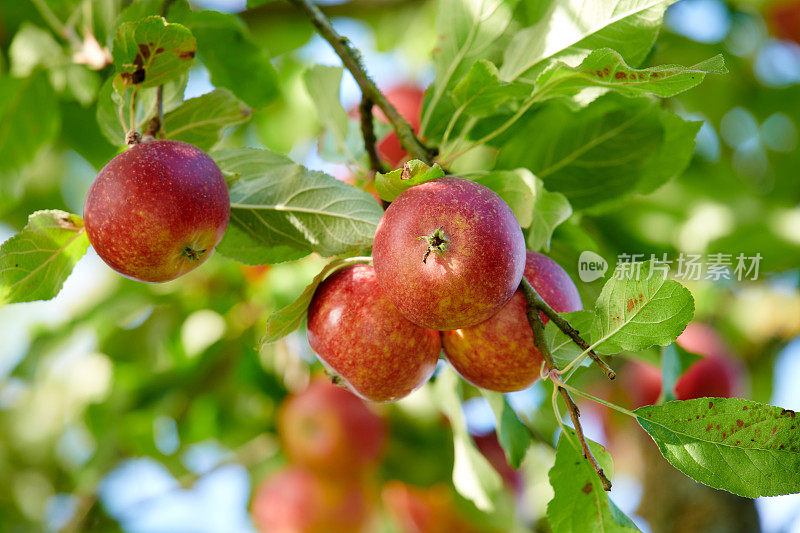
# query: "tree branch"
{"type": "Point", "coordinates": [571, 332]}
{"type": "Point", "coordinates": [351, 58]}
{"type": "Point", "coordinates": [368, 132]}
{"type": "Point", "coordinates": [535, 321]}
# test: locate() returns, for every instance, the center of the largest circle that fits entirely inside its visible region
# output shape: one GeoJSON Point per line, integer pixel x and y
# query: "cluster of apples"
{"type": "Point", "coordinates": [448, 259]}
{"type": "Point", "coordinates": [334, 443]}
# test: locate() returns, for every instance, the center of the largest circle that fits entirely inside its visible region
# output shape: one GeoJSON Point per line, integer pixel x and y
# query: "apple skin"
{"type": "Point", "coordinates": [358, 334]}
{"type": "Point", "coordinates": [157, 210]}
{"type": "Point", "coordinates": [499, 354]}
{"type": "Point", "coordinates": [477, 272]}
{"type": "Point", "coordinates": [423, 509]}
{"type": "Point", "coordinates": [717, 374]}
{"type": "Point", "coordinates": [407, 99]}
{"type": "Point", "coordinates": [329, 430]}
{"type": "Point", "coordinates": [295, 500]}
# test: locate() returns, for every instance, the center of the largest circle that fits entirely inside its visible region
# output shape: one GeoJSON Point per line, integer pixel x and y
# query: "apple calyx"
{"type": "Point", "coordinates": [191, 253]}
{"type": "Point", "coordinates": [437, 243]}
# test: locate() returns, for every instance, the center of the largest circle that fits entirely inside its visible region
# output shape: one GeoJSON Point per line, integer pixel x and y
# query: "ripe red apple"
{"type": "Point", "coordinates": [358, 334]}
{"type": "Point", "coordinates": [783, 18]}
{"type": "Point", "coordinates": [157, 210]}
{"type": "Point", "coordinates": [449, 253]}
{"type": "Point", "coordinates": [716, 374]}
{"type": "Point", "coordinates": [295, 500]}
{"type": "Point", "coordinates": [407, 99]}
{"type": "Point", "coordinates": [499, 354]}
{"type": "Point", "coordinates": [423, 510]}
{"type": "Point", "coordinates": [329, 430]}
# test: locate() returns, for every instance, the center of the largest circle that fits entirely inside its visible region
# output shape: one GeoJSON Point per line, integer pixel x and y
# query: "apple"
{"type": "Point", "coordinates": [499, 354]}
{"type": "Point", "coordinates": [448, 253]}
{"type": "Point", "coordinates": [716, 374]}
{"type": "Point", "coordinates": [783, 18]}
{"type": "Point", "coordinates": [157, 210]}
{"type": "Point", "coordinates": [296, 500]}
{"type": "Point", "coordinates": [360, 336]}
{"type": "Point", "coordinates": [329, 430]}
{"type": "Point", "coordinates": [407, 99]}
{"type": "Point", "coordinates": [423, 509]}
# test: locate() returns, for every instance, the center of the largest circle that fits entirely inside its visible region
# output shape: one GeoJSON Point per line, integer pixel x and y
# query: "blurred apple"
{"type": "Point", "coordinates": [783, 19]}
{"type": "Point", "coordinates": [329, 430]}
{"type": "Point", "coordinates": [423, 510]}
{"type": "Point", "coordinates": [407, 99]}
{"type": "Point", "coordinates": [490, 447]}
{"type": "Point", "coordinates": [254, 273]}
{"type": "Point", "coordinates": [296, 500]}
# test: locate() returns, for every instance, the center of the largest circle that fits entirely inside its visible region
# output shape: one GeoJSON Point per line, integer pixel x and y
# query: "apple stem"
{"type": "Point", "coordinates": [132, 138]}
{"type": "Point", "coordinates": [532, 311]}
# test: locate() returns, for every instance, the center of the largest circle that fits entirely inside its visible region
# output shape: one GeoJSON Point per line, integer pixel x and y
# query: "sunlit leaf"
{"type": "Point", "coordinates": [201, 121]}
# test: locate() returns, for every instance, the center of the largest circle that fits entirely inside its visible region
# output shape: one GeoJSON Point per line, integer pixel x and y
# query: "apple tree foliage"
{"type": "Point", "coordinates": [582, 116]}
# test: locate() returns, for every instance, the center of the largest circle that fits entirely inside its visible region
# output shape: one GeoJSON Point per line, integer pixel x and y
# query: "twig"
{"type": "Point", "coordinates": [351, 58]}
{"type": "Point", "coordinates": [535, 321]}
{"type": "Point", "coordinates": [368, 132]}
{"type": "Point", "coordinates": [62, 30]}
{"type": "Point", "coordinates": [571, 332]}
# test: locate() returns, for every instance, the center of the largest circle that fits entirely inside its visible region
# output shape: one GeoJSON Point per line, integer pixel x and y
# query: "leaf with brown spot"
{"type": "Point", "coordinates": [767, 464]}
{"type": "Point", "coordinates": [35, 262]}
{"type": "Point", "coordinates": [638, 308]}
{"type": "Point", "coordinates": [149, 52]}
{"type": "Point", "coordinates": [579, 502]}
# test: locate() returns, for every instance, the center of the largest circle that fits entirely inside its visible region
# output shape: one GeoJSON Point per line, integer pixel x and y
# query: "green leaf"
{"type": "Point", "coordinates": [579, 504]}
{"type": "Point", "coordinates": [240, 246]}
{"type": "Point", "coordinates": [414, 172]}
{"type": "Point", "coordinates": [598, 155]}
{"type": "Point", "coordinates": [201, 121]}
{"type": "Point", "coordinates": [35, 262]}
{"type": "Point", "coordinates": [481, 93]}
{"type": "Point", "coordinates": [517, 188]}
{"type": "Point", "coordinates": [514, 437]}
{"type": "Point", "coordinates": [561, 347]}
{"type": "Point", "coordinates": [606, 69]}
{"type": "Point", "coordinates": [639, 307]}
{"type": "Point", "coordinates": [467, 30]}
{"type": "Point", "coordinates": [745, 447]}
{"type": "Point", "coordinates": [571, 28]}
{"type": "Point", "coordinates": [322, 83]}
{"type": "Point", "coordinates": [550, 209]}
{"type": "Point", "coordinates": [473, 476]}
{"type": "Point", "coordinates": [674, 362]}
{"type": "Point", "coordinates": [29, 118]}
{"type": "Point", "coordinates": [233, 59]}
{"type": "Point", "coordinates": [33, 47]}
{"type": "Point", "coordinates": [150, 52]}
{"type": "Point", "coordinates": [286, 320]}
{"type": "Point", "coordinates": [278, 202]}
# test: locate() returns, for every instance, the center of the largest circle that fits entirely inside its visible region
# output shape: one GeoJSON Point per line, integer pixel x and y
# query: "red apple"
{"type": "Point", "coordinates": [783, 18]}
{"type": "Point", "coordinates": [499, 354]}
{"type": "Point", "coordinates": [157, 210]}
{"type": "Point", "coordinates": [407, 99]}
{"type": "Point", "coordinates": [295, 500]}
{"type": "Point", "coordinates": [358, 334]}
{"type": "Point", "coordinates": [716, 374]}
{"type": "Point", "coordinates": [329, 430]}
{"type": "Point", "coordinates": [423, 510]}
{"type": "Point", "coordinates": [449, 253]}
